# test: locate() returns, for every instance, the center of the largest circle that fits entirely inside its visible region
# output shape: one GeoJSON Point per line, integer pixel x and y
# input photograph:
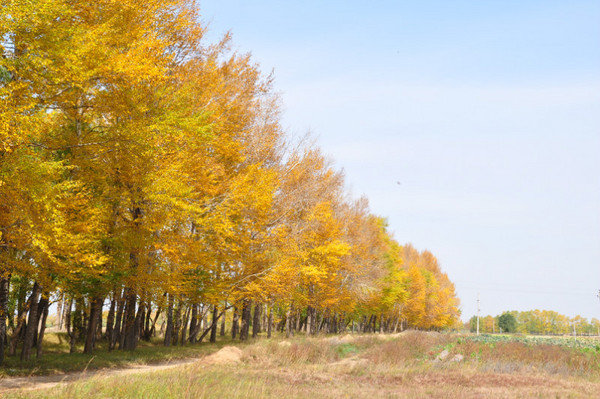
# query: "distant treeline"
{"type": "Point", "coordinates": [535, 322]}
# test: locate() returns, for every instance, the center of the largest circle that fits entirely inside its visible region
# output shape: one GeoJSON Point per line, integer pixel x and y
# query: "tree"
{"type": "Point", "coordinates": [507, 322]}
{"type": "Point", "coordinates": [140, 164]}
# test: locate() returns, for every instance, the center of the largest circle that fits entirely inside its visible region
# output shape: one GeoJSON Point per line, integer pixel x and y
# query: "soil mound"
{"type": "Point", "coordinates": [227, 355]}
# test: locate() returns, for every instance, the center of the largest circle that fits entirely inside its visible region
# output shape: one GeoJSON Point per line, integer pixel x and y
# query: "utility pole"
{"type": "Point", "coordinates": [478, 313]}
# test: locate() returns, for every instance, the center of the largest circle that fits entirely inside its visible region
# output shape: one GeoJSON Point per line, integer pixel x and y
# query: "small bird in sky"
{"type": "Point", "coordinates": [398, 182]}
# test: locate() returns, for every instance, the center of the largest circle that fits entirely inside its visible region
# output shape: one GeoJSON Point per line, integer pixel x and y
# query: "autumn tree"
{"type": "Point", "coordinates": [140, 164]}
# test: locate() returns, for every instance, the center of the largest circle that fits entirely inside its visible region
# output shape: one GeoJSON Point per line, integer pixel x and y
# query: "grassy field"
{"type": "Point", "coordinates": [56, 358]}
{"type": "Point", "coordinates": [407, 365]}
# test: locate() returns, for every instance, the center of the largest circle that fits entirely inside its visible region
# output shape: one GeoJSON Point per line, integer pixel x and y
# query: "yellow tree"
{"type": "Point", "coordinates": [414, 310]}
{"type": "Point", "coordinates": [214, 183]}
{"type": "Point", "coordinates": [368, 281]}
{"type": "Point", "coordinates": [310, 238]}
{"type": "Point", "coordinates": [98, 69]}
{"type": "Point", "coordinates": [28, 176]}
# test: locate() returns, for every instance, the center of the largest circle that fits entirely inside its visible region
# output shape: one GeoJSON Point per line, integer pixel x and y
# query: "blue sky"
{"type": "Point", "coordinates": [487, 112]}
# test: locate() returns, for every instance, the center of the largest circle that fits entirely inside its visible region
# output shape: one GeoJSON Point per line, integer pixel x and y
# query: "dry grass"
{"type": "Point", "coordinates": [411, 346]}
{"type": "Point", "coordinates": [517, 357]}
{"type": "Point", "coordinates": [403, 366]}
{"type": "Point", "coordinates": [56, 358]}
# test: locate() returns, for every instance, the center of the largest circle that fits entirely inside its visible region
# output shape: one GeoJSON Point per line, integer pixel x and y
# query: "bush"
{"type": "Point", "coordinates": [507, 322]}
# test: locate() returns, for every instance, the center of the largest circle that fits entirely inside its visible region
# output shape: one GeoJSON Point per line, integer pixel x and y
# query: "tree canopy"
{"type": "Point", "coordinates": [142, 166]}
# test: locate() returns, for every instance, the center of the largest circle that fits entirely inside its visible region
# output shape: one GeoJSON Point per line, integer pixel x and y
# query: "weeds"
{"type": "Point", "coordinates": [402, 366]}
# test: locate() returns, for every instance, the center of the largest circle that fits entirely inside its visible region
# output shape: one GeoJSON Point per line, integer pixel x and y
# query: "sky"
{"type": "Point", "coordinates": [486, 112]}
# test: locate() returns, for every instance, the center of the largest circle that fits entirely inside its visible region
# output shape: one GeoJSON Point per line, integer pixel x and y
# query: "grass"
{"type": "Point", "coordinates": [396, 366]}
{"type": "Point", "coordinates": [56, 358]}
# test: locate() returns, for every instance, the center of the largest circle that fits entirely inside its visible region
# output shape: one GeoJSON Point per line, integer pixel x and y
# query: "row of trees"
{"type": "Point", "coordinates": [145, 170]}
{"type": "Point", "coordinates": [536, 322]}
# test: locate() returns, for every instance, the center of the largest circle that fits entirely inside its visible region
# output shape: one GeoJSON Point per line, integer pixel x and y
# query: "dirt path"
{"type": "Point", "coordinates": [49, 381]}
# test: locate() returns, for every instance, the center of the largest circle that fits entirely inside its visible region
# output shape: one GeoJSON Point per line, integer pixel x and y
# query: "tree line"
{"type": "Point", "coordinates": [146, 170]}
{"type": "Point", "coordinates": [545, 322]}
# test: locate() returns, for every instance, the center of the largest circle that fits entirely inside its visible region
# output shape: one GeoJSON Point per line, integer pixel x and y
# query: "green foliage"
{"type": "Point", "coordinates": [5, 75]}
{"type": "Point", "coordinates": [507, 322]}
{"type": "Point", "coordinates": [345, 350]}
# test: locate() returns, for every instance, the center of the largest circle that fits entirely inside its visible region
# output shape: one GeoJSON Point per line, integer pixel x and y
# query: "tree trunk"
{"type": "Point", "coordinates": [210, 328]}
{"type": "Point", "coordinates": [142, 310]}
{"type": "Point", "coordinates": [270, 322]}
{"type": "Point", "coordinates": [122, 332]}
{"type": "Point", "coordinates": [193, 323]}
{"type": "Point", "coordinates": [99, 323]}
{"type": "Point", "coordinates": [288, 322]}
{"type": "Point", "coordinates": [323, 322]}
{"type": "Point", "coordinates": [153, 326]}
{"type": "Point", "coordinates": [138, 322]}
{"type": "Point", "coordinates": [213, 326]}
{"type": "Point", "coordinates": [67, 304]}
{"type": "Point", "coordinates": [116, 333]}
{"type": "Point", "coordinates": [235, 324]}
{"type": "Point", "coordinates": [169, 329]}
{"type": "Point", "coordinates": [201, 317]}
{"type": "Point", "coordinates": [309, 320]}
{"type": "Point", "coordinates": [110, 320]}
{"type": "Point", "coordinates": [75, 323]}
{"type": "Point", "coordinates": [245, 327]}
{"type": "Point", "coordinates": [59, 311]}
{"type": "Point", "coordinates": [256, 321]}
{"type": "Point", "coordinates": [44, 304]}
{"type": "Point", "coordinates": [129, 332]}
{"type": "Point", "coordinates": [184, 328]}
{"type": "Point", "coordinates": [14, 339]}
{"type": "Point", "coordinates": [22, 306]}
{"type": "Point", "coordinates": [32, 322]}
{"type": "Point", "coordinates": [67, 315]}
{"type": "Point", "coordinates": [90, 337]}
{"type": "Point", "coordinates": [4, 287]}
{"type": "Point", "coordinates": [222, 333]}
{"type": "Point", "coordinates": [298, 320]}
{"type": "Point", "coordinates": [176, 323]}
{"type": "Point", "coordinates": [147, 322]}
